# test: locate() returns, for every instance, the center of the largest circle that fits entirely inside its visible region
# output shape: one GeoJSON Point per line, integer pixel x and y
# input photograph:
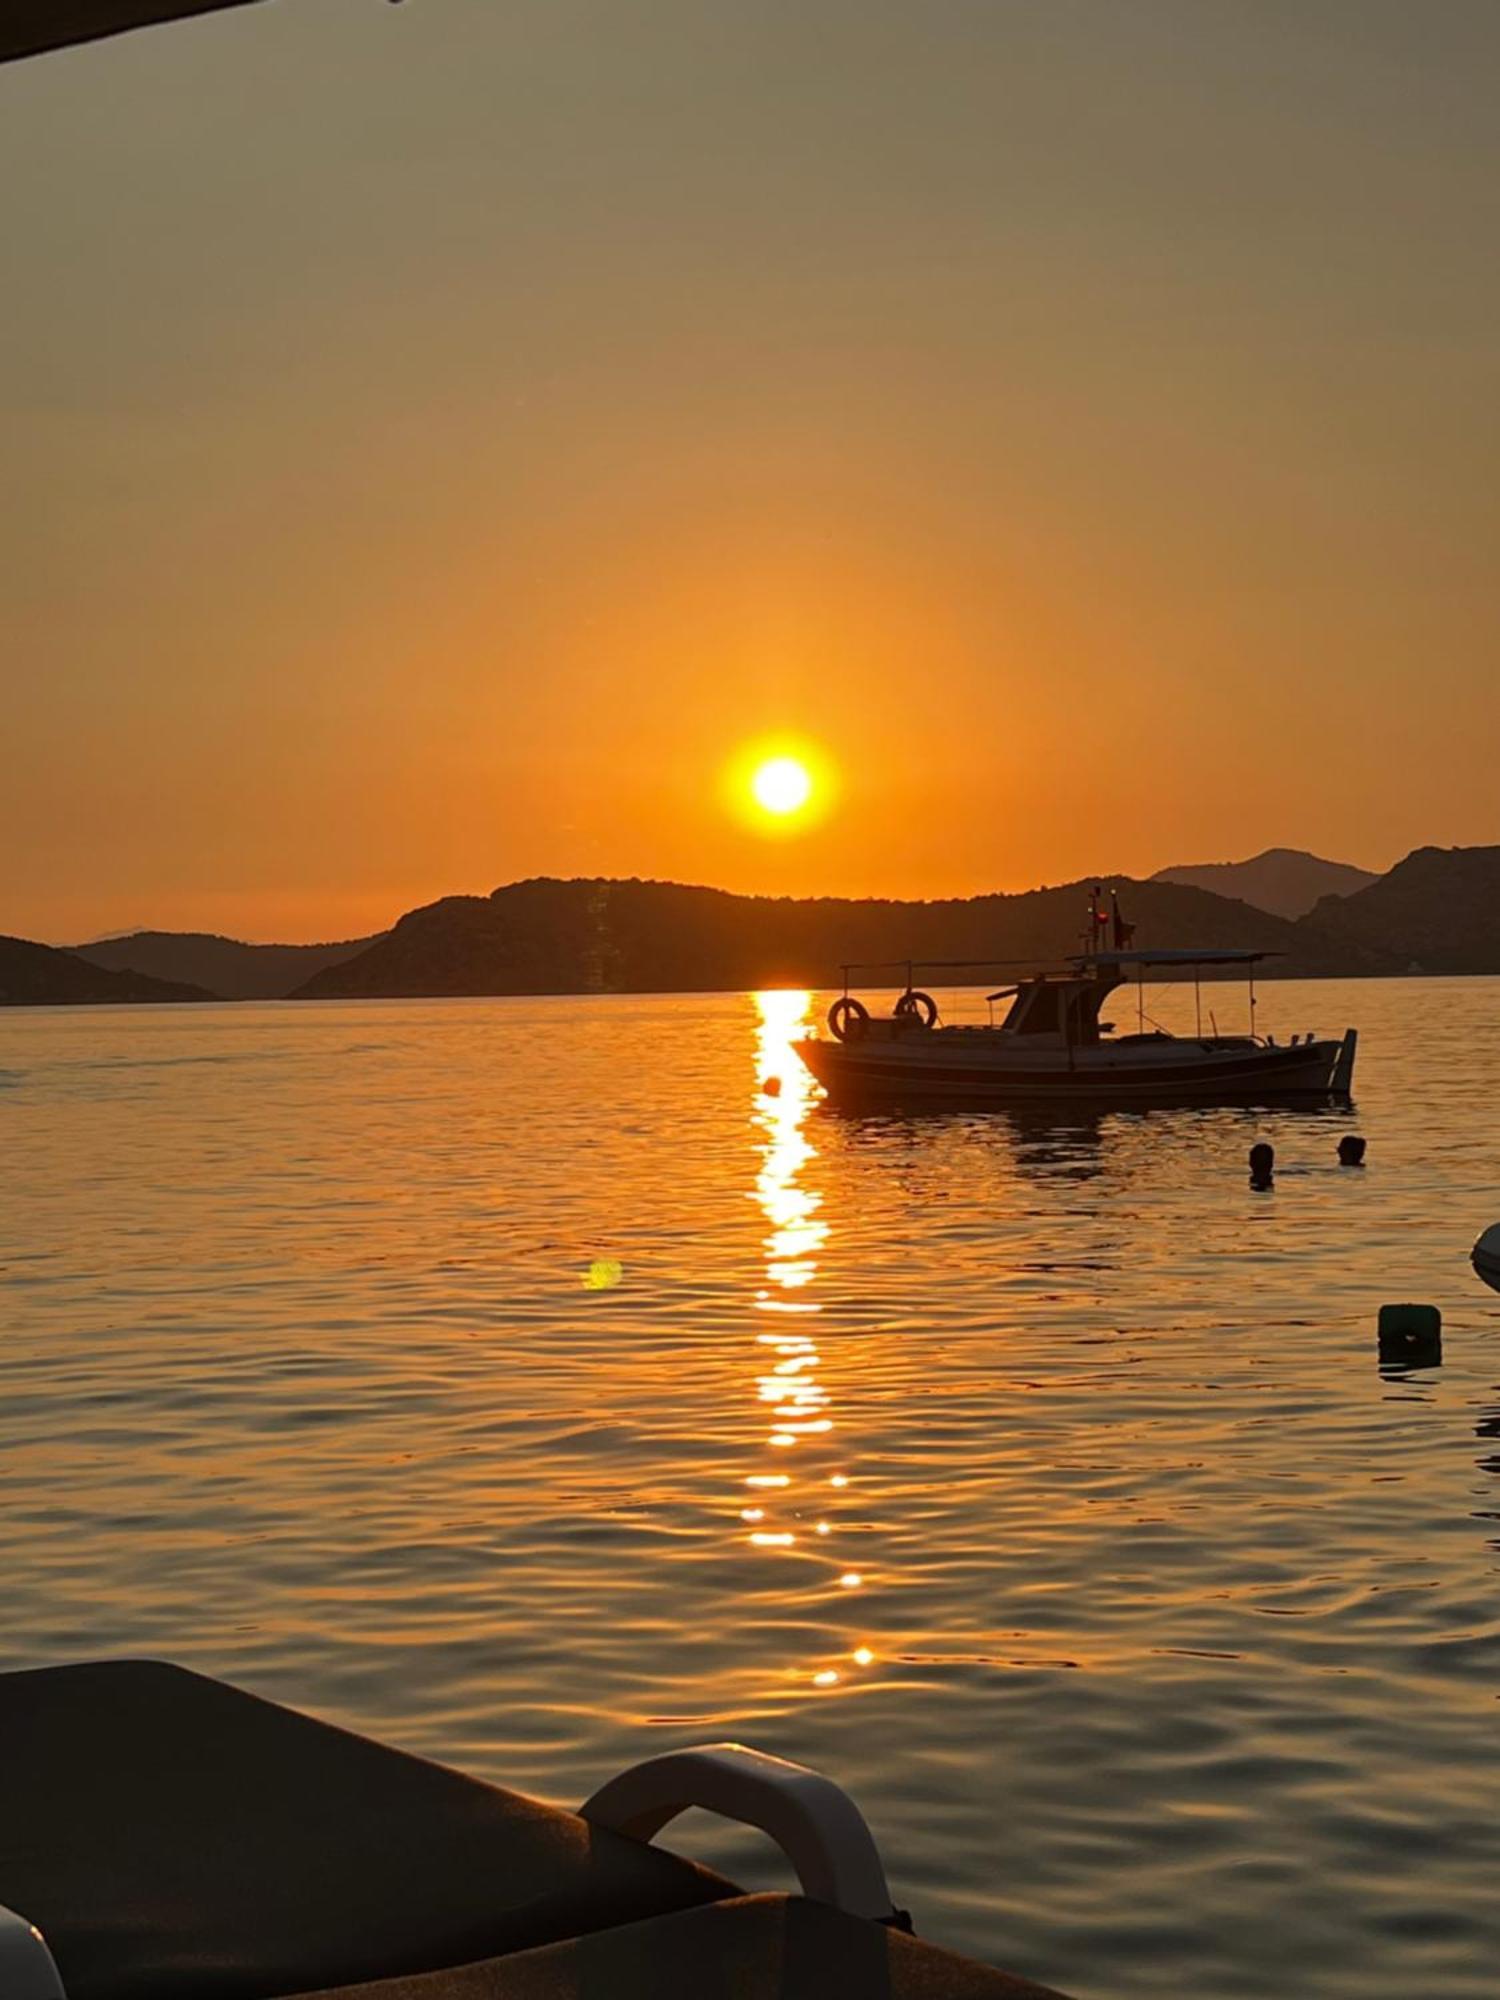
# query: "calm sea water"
{"type": "Point", "coordinates": [519, 1381]}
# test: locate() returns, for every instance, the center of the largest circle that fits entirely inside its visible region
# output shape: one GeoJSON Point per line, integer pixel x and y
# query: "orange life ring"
{"type": "Point", "coordinates": [849, 1020]}
{"type": "Point", "coordinates": [918, 1005]}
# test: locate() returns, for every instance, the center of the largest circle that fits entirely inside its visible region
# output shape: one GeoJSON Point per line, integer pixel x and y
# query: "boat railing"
{"type": "Point", "coordinates": [1177, 965]}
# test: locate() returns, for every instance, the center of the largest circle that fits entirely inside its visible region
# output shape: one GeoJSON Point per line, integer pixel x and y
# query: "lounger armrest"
{"type": "Point", "coordinates": [818, 1827]}
{"type": "Point", "coordinates": [27, 1969]}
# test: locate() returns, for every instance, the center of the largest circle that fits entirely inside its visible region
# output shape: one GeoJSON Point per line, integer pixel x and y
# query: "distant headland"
{"type": "Point", "coordinates": [1283, 880]}
{"type": "Point", "coordinates": [1437, 911]}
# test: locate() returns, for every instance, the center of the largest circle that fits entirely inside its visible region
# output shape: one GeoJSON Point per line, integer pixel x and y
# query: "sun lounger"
{"type": "Point", "coordinates": [172, 1838]}
{"type": "Point", "coordinates": [751, 1948]}
{"type": "Point", "coordinates": [27, 27]}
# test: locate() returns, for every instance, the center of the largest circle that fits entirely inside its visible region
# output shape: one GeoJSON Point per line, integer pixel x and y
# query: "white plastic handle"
{"type": "Point", "coordinates": [27, 1968]}
{"type": "Point", "coordinates": [818, 1827]}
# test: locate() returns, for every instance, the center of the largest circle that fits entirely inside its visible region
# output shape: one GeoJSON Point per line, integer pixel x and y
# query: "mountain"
{"type": "Point", "coordinates": [547, 936]}
{"type": "Point", "coordinates": [232, 970]}
{"type": "Point", "coordinates": [1437, 911]}
{"type": "Point", "coordinates": [1283, 880]}
{"type": "Point", "coordinates": [36, 975]}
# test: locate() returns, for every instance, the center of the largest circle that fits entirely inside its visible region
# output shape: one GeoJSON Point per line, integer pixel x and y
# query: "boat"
{"type": "Point", "coordinates": [170, 1837]}
{"type": "Point", "coordinates": [1053, 1045]}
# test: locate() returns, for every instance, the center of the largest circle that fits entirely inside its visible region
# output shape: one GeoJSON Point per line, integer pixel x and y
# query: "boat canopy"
{"type": "Point", "coordinates": [1209, 955]}
{"type": "Point", "coordinates": [935, 964]}
{"type": "Point", "coordinates": [31, 27]}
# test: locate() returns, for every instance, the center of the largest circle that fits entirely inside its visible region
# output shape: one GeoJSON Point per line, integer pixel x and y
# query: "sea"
{"type": "Point", "coordinates": [539, 1384]}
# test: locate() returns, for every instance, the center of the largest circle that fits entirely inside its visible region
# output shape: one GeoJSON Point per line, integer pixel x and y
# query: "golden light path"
{"type": "Point", "coordinates": [788, 1507]}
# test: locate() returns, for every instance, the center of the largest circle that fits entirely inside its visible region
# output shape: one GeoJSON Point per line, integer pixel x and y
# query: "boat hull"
{"type": "Point", "coordinates": [976, 1067]}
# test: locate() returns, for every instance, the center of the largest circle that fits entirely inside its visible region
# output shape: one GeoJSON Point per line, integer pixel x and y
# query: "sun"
{"type": "Point", "coordinates": [782, 785]}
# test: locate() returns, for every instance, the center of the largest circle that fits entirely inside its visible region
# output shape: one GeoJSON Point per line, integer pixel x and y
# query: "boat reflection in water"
{"type": "Point", "coordinates": [793, 1500]}
{"type": "Point", "coordinates": [1033, 1139]}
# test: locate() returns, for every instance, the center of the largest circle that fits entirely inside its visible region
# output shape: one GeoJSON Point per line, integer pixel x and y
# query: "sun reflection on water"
{"type": "Point", "coordinates": [790, 1384]}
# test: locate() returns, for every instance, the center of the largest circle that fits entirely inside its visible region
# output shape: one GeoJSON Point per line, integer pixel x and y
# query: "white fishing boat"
{"type": "Point", "coordinates": [1053, 1044]}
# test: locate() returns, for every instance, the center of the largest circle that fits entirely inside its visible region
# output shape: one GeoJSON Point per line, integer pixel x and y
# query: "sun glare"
{"type": "Point", "coordinates": [782, 785]}
{"type": "Point", "coordinates": [780, 789]}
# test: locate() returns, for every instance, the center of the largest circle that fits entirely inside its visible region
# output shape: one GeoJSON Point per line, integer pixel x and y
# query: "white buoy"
{"type": "Point", "coordinates": [1487, 1257]}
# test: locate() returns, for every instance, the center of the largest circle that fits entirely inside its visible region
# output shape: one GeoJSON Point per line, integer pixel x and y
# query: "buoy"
{"type": "Point", "coordinates": [1262, 1165]}
{"type": "Point", "coordinates": [772, 1086]}
{"type": "Point", "coordinates": [1487, 1257]}
{"type": "Point", "coordinates": [1411, 1335]}
{"type": "Point", "coordinates": [1351, 1150]}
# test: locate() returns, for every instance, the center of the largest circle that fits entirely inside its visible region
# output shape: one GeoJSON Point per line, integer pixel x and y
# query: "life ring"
{"type": "Point", "coordinates": [849, 1019]}
{"type": "Point", "coordinates": [918, 1005]}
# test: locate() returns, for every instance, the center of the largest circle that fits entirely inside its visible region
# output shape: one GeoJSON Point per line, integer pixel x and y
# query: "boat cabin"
{"type": "Point", "coordinates": [1059, 1009]}
{"type": "Point", "coordinates": [1064, 1007]}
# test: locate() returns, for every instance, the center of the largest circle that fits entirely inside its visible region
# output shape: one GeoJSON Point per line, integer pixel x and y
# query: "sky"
{"type": "Point", "coordinates": [438, 440]}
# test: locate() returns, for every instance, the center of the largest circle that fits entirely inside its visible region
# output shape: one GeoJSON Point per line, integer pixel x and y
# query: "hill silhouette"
{"type": "Point", "coordinates": [1287, 881]}
{"type": "Point", "coordinates": [224, 966]}
{"type": "Point", "coordinates": [1436, 911]}
{"type": "Point", "coordinates": [38, 975]}
{"type": "Point", "coordinates": [598, 935]}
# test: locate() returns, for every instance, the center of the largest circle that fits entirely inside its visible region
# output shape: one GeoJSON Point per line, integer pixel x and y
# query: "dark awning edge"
{"type": "Point", "coordinates": [1230, 955]}
{"type": "Point", "coordinates": [1209, 955]}
{"type": "Point", "coordinates": [32, 27]}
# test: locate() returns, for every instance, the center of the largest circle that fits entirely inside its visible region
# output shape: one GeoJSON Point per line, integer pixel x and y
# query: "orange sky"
{"type": "Point", "coordinates": [437, 438]}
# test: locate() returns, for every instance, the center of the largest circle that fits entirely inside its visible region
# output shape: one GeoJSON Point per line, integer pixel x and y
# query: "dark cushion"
{"type": "Point", "coordinates": [755, 1948]}
{"type": "Point", "coordinates": [29, 26]}
{"type": "Point", "coordinates": [176, 1839]}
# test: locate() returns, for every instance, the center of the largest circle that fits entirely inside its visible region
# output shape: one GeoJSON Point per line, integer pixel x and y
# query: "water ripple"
{"type": "Point", "coordinates": [524, 1382]}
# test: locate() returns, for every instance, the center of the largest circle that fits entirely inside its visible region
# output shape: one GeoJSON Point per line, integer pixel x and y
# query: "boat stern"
{"type": "Point", "coordinates": [1342, 1081]}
